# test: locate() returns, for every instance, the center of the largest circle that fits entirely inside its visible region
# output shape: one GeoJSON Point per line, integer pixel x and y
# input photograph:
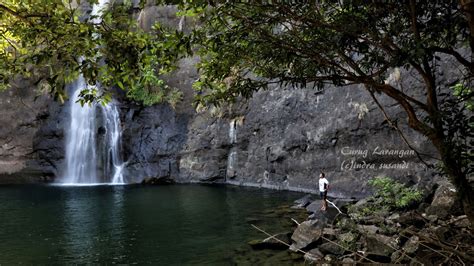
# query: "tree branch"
{"type": "Point", "coordinates": [456, 55]}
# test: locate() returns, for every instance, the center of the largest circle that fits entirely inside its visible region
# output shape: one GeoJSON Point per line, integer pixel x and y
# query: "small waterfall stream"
{"type": "Point", "coordinates": [93, 143]}
{"type": "Point", "coordinates": [113, 162]}
{"type": "Point", "coordinates": [232, 157]}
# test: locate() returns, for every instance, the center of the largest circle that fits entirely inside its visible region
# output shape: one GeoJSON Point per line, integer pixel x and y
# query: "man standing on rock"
{"type": "Point", "coordinates": [323, 191]}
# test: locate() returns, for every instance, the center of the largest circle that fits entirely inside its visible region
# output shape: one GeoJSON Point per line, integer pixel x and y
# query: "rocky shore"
{"type": "Point", "coordinates": [433, 231]}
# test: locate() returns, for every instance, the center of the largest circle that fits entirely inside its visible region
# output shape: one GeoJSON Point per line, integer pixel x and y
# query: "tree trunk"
{"type": "Point", "coordinates": [453, 168]}
{"type": "Point", "coordinates": [464, 191]}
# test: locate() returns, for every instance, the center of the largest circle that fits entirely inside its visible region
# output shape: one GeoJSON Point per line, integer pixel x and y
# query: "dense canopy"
{"type": "Point", "coordinates": [53, 41]}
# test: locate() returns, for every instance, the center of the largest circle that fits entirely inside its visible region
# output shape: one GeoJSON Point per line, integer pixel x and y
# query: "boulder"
{"type": "Point", "coordinates": [326, 217]}
{"type": "Point", "coordinates": [444, 201]}
{"type": "Point", "coordinates": [381, 244]}
{"type": "Point", "coordinates": [314, 207]}
{"type": "Point", "coordinates": [348, 260]}
{"type": "Point", "coordinates": [330, 233]}
{"type": "Point", "coordinates": [397, 256]}
{"type": "Point", "coordinates": [314, 255]}
{"type": "Point", "coordinates": [303, 202]}
{"type": "Point", "coordinates": [331, 248]}
{"type": "Point", "coordinates": [411, 246]}
{"type": "Point", "coordinates": [367, 229]}
{"type": "Point", "coordinates": [307, 233]}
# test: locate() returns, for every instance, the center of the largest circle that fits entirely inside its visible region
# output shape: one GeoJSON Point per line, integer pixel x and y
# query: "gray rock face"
{"type": "Point", "coordinates": [28, 151]}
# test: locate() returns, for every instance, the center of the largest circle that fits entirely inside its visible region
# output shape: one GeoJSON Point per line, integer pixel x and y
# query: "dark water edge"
{"type": "Point", "coordinates": [165, 225]}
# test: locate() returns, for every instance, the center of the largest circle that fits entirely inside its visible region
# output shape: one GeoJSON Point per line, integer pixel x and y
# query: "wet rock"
{"type": "Point", "coordinates": [411, 246]}
{"type": "Point", "coordinates": [331, 248]}
{"type": "Point", "coordinates": [306, 234]}
{"type": "Point", "coordinates": [326, 216]}
{"type": "Point", "coordinates": [314, 206]}
{"type": "Point", "coordinates": [278, 258]}
{"type": "Point", "coordinates": [272, 243]}
{"type": "Point", "coordinates": [314, 255]}
{"type": "Point", "coordinates": [256, 244]}
{"type": "Point", "coordinates": [381, 244]}
{"type": "Point", "coordinates": [157, 181]}
{"type": "Point", "coordinates": [304, 201]}
{"type": "Point", "coordinates": [368, 229]}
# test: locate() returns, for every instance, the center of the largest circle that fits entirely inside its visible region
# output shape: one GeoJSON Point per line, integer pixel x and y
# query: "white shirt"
{"type": "Point", "coordinates": [323, 181]}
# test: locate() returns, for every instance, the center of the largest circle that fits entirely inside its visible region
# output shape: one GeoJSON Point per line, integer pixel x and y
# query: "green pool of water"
{"type": "Point", "coordinates": [165, 225]}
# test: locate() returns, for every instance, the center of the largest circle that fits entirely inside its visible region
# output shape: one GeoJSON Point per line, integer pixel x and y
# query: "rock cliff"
{"type": "Point", "coordinates": [281, 138]}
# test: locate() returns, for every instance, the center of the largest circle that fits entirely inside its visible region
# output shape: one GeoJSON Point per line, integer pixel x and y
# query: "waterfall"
{"type": "Point", "coordinates": [233, 131]}
{"type": "Point", "coordinates": [114, 162]}
{"type": "Point", "coordinates": [81, 152]}
{"type": "Point", "coordinates": [231, 164]}
{"type": "Point", "coordinates": [86, 151]}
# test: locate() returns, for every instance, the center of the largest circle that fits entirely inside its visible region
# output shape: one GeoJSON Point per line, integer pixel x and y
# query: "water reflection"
{"type": "Point", "coordinates": [166, 225]}
{"type": "Point", "coordinates": [93, 224]}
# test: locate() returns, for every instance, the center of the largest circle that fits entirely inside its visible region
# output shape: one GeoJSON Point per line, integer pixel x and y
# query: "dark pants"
{"type": "Point", "coordinates": [323, 195]}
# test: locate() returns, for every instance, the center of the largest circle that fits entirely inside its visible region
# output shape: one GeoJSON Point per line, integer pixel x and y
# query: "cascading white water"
{"type": "Point", "coordinates": [113, 159]}
{"type": "Point", "coordinates": [84, 158]}
{"type": "Point", "coordinates": [233, 131]}
{"type": "Point", "coordinates": [81, 152]}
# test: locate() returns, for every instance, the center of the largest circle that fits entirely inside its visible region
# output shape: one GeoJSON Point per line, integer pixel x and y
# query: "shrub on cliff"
{"type": "Point", "coordinates": [395, 195]}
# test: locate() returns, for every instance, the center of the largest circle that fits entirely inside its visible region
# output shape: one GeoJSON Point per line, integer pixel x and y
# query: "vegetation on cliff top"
{"type": "Point", "coordinates": [53, 42]}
